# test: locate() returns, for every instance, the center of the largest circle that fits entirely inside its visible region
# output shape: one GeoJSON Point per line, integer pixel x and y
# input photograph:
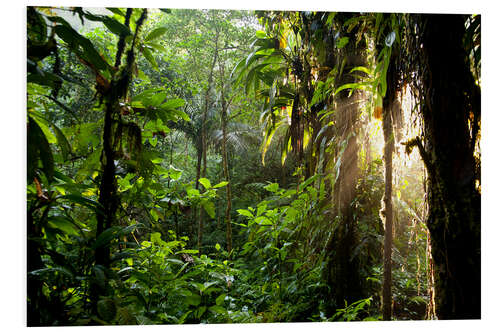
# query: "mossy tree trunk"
{"type": "Point", "coordinates": [452, 106]}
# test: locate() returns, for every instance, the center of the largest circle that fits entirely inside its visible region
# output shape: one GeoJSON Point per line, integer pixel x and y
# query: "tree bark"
{"type": "Point", "coordinates": [386, 211]}
{"type": "Point", "coordinates": [454, 221]}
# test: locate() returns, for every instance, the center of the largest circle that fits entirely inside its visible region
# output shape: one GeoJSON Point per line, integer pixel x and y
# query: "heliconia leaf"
{"type": "Point", "coordinates": [155, 33]}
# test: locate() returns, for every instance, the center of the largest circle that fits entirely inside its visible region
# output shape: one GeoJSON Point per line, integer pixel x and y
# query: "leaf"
{"type": "Point", "coordinates": [217, 309]}
{"type": "Point", "coordinates": [149, 57]}
{"type": "Point", "coordinates": [193, 299]}
{"type": "Point", "coordinates": [261, 34]}
{"type": "Point", "coordinates": [38, 150]}
{"type": "Point", "coordinates": [173, 103]}
{"type": "Point", "coordinates": [273, 187]}
{"type": "Point", "coordinates": [205, 182]}
{"type": "Point", "coordinates": [116, 11]}
{"type": "Point", "coordinates": [342, 42]}
{"type": "Point", "coordinates": [106, 309]}
{"type": "Point", "coordinates": [64, 224]}
{"type": "Point", "coordinates": [94, 205]}
{"type": "Point", "coordinates": [221, 184]}
{"type": "Point", "coordinates": [113, 25]}
{"type": "Point", "coordinates": [158, 98]}
{"type": "Point", "coordinates": [220, 299]}
{"type": "Point", "coordinates": [155, 33]}
{"type": "Point", "coordinates": [157, 47]}
{"type": "Point", "coordinates": [105, 237]}
{"type": "Point", "coordinates": [303, 185]}
{"type": "Point", "coordinates": [361, 69]}
{"type": "Point", "coordinates": [209, 208]}
{"type": "Point", "coordinates": [61, 270]}
{"type": "Point", "coordinates": [74, 40]}
{"type": "Point", "coordinates": [245, 212]}
{"type": "Point", "coordinates": [62, 142]}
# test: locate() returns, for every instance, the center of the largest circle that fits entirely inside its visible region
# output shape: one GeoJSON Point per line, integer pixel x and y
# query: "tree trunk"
{"type": "Point", "coordinates": [454, 221]}
{"type": "Point", "coordinates": [226, 177]}
{"type": "Point", "coordinates": [204, 135]}
{"type": "Point", "coordinates": [342, 268]}
{"type": "Point", "coordinates": [108, 190]}
{"type": "Point", "coordinates": [386, 212]}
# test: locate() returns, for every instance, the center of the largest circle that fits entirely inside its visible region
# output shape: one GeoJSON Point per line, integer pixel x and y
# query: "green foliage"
{"type": "Point", "coordinates": [283, 213]}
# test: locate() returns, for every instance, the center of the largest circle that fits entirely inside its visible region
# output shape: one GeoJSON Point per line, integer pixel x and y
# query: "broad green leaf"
{"type": "Point", "coordinates": [64, 224]}
{"type": "Point", "coordinates": [75, 40]}
{"type": "Point", "coordinates": [273, 187]}
{"type": "Point", "coordinates": [158, 98]}
{"type": "Point", "coordinates": [61, 270]}
{"type": "Point", "coordinates": [342, 42]}
{"type": "Point", "coordinates": [205, 182]}
{"type": "Point", "coordinates": [116, 11]}
{"type": "Point", "coordinates": [209, 208]}
{"type": "Point", "coordinates": [94, 205]}
{"type": "Point", "coordinates": [62, 142]}
{"type": "Point", "coordinates": [146, 52]}
{"type": "Point", "coordinates": [193, 299]}
{"type": "Point", "coordinates": [245, 212]}
{"type": "Point", "coordinates": [192, 192]}
{"type": "Point", "coordinates": [157, 47]}
{"type": "Point", "coordinates": [105, 237]}
{"type": "Point", "coordinates": [106, 309]}
{"type": "Point", "coordinates": [156, 239]}
{"type": "Point", "coordinates": [261, 34]}
{"type": "Point", "coordinates": [221, 184]}
{"type": "Point", "coordinates": [38, 150]}
{"type": "Point", "coordinates": [156, 33]}
{"type": "Point", "coordinates": [217, 309]}
{"type": "Point", "coordinates": [113, 25]}
{"type": "Point", "coordinates": [173, 103]}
